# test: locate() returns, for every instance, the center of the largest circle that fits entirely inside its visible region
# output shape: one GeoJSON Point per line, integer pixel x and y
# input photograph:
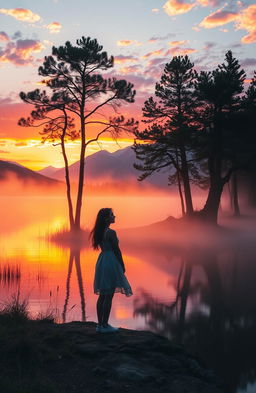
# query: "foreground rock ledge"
{"type": "Point", "coordinates": [127, 361]}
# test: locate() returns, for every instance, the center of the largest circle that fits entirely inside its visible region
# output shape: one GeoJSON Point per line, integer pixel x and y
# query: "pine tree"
{"type": "Point", "coordinates": [220, 94]}
{"type": "Point", "coordinates": [172, 122]}
{"type": "Point", "coordinates": [75, 72]}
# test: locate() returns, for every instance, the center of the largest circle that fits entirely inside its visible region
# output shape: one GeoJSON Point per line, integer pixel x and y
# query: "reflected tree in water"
{"type": "Point", "coordinates": [214, 313]}
{"type": "Point", "coordinates": [74, 259]}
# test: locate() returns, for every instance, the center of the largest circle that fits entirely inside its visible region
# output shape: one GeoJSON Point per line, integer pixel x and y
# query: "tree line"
{"type": "Point", "coordinates": [200, 126]}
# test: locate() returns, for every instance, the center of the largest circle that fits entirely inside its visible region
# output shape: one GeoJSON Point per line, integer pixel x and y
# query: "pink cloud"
{"type": "Point", "coordinates": [247, 21]}
{"type": "Point", "coordinates": [176, 7]}
{"type": "Point", "coordinates": [210, 3]}
{"type": "Point", "coordinates": [20, 52]}
{"type": "Point", "coordinates": [244, 20]}
{"type": "Point", "coordinates": [22, 14]}
{"type": "Point", "coordinates": [153, 53]}
{"type": "Point", "coordinates": [4, 36]}
{"type": "Point", "coordinates": [218, 18]}
{"type": "Point", "coordinates": [124, 59]}
{"type": "Point", "coordinates": [155, 10]}
{"type": "Point", "coordinates": [177, 51]}
{"type": "Point", "coordinates": [128, 42]}
{"type": "Point", "coordinates": [177, 43]}
{"type": "Point", "coordinates": [54, 27]}
{"type": "Point", "coordinates": [157, 61]}
{"type": "Point", "coordinates": [130, 69]}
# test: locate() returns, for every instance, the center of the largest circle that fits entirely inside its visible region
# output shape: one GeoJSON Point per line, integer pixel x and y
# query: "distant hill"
{"type": "Point", "coordinates": [48, 171]}
{"type": "Point", "coordinates": [23, 174]}
{"type": "Point", "coordinates": [104, 168]}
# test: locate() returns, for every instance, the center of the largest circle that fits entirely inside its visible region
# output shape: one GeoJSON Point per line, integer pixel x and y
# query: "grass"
{"type": "Point", "coordinates": [9, 274]}
{"type": "Point", "coordinates": [27, 347]}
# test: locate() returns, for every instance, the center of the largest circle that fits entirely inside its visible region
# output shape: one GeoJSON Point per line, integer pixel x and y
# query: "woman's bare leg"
{"type": "Point", "coordinates": [100, 306]}
{"type": "Point", "coordinates": [107, 308]}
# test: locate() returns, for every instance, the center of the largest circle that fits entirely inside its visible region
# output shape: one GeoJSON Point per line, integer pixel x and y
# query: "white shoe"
{"type": "Point", "coordinates": [108, 329]}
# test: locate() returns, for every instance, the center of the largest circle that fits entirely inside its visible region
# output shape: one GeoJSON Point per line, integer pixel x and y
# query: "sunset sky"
{"type": "Point", "coordinates": [143, 35]}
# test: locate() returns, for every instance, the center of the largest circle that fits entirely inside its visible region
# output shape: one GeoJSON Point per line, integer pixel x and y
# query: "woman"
{"type": "Point", "coordinates": [109, 272]}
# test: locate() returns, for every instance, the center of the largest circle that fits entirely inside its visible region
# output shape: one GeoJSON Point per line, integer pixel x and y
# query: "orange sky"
{"type": "Point", "coordinates": [203, 29]}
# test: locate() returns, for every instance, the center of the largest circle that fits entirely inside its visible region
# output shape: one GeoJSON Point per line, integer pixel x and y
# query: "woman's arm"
{"type": "Point", "coordinates": [114, 243]}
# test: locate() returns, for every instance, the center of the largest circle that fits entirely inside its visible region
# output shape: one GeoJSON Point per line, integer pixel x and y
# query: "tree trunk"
{"type": "Point", "coordinates": [186, 182]}
{"type": "Point", "coordinates": [211, 207]}
{"type": "Point", "coordinates": [81, 177]}
{"type": "Point", "coordinates": [68, 188]}
{"type": "Point", "coordinates": [234, 191]}
{"type": "Point", "coordinates": [181, 194]}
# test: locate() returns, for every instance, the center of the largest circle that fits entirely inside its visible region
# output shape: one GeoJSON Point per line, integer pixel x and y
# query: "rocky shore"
{"type": "Point", "coordinates": [63, 358]}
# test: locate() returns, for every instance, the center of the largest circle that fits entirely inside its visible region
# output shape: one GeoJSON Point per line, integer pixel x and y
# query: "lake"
{"type": "Point", "coordinates": [195, 289]}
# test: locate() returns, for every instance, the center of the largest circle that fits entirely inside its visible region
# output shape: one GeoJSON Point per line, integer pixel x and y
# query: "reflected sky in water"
{"type": "Point", "coordinates": [194, 287]}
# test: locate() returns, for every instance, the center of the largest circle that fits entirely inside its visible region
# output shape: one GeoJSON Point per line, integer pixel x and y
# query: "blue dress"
{"type": "Point", "coordinates": [109, 271]}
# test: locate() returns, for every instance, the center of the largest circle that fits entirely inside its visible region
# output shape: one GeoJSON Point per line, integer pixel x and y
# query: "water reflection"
{"type": "Point", "coordinates": [202, 297]}
{"type": "Point", "coordinates": [74, 256]}
{"type": "Point", "coordinates": [9, 275]}
{"type": "Point", "coordinates": [214, 312]}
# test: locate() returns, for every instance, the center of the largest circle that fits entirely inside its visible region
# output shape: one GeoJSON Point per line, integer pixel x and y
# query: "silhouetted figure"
{"type": "Point", "coordinates": [109, 272]}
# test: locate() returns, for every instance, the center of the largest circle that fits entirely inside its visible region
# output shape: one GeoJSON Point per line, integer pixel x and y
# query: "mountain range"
{"type": "Point", "coordinates": [109, 168]}
{"type": "Point", "coordinates": [24, 174]}
{"type": "Point", "coordinates": [104, 172]}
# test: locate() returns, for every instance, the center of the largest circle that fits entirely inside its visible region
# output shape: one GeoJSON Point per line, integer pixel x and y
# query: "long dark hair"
{"type": "Point", "coordinates": [101, 224]}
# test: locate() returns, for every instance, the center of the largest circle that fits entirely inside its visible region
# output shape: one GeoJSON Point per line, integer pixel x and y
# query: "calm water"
{"type": "Point", "coordinates": [196, 290]}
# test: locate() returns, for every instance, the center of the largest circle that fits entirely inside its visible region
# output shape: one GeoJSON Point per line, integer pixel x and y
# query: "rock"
{"type": "Point", "coordinates": [73, 357]}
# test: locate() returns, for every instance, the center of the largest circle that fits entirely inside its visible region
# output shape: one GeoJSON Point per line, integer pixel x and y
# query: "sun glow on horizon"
{"type": "Point", "coordinates": [35, 155]}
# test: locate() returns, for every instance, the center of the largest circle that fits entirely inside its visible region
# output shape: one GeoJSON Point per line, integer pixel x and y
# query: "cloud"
{"type": "Point", "coordinates": [157, 61]}
{"type": "Point", "coordinates": [176, 7]}
{"type": "Point", "coordinates": [210, 3]}
{"type": "Point", "coordinates": [4, 152]}
{"type": "Point", "coordinates": [5, 101]}
{"type": "Point", "coordinates": [244, 20]}
{"type": "Point", "coordinates": [20, 52]}
{"type": "Point", "coordinates": [178, 51]}
{"type": "Point", "coordinates": [21, 144]}
{"type": "Point", "coordinates": [248, 62]}
{"type": "Point", "coordinates": [247, 21]}
{"type": "Point", "coordinates": [155, 10]}
{"type": "Point", "coordinates": [17, 35]}
{"type": "Point", "coordinates": [124, 59]}
{"type": "Point", "coordinates": [21, 14]}
{"type": "Point", "coordinates": [130, 69]}
{"type": "Point", "coordinates": [54, 27]}
{"type": "Point", "coordinates": [128, 42]}
{"type": "Point", "coordinates": [153, 53]}
{"type": "Point", "coordinates": [4, 36]}
{"type": "Point", "coordinates": [177, 43]}
{"type": "Point", "coordinates": [218, 18]}
{"type": "Point", "coordinates": [166, 37]}
{"type": "Point", "coordinates": [209, 45]}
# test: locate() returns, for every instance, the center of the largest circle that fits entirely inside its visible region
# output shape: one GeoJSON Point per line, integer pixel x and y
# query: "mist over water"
{"type": "Point", "coordinates": [195, 286]}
